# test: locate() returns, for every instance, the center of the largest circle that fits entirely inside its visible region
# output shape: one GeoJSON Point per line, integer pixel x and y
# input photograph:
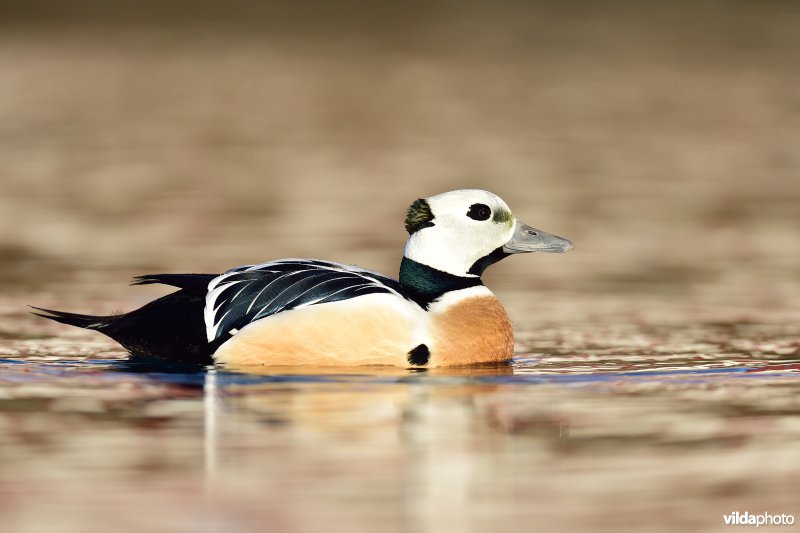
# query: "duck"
{"type": "Point", "coordinates": [286, 312]}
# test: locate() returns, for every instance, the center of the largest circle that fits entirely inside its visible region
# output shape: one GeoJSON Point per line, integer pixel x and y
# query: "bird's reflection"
{"type": "Point", "coordinates": [367, 418]}
{"type": "Point", "coordinates": [428, 437]}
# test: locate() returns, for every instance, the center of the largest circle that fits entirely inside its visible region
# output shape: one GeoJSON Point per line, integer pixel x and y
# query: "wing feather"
{"type": "Point", "coordinates": [245, 294]}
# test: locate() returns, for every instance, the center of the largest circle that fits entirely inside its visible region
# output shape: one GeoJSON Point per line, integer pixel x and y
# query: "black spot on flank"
{"type": "Point", "coordinates": [479, 212]}
{"type": "Point", "coordinates": [419, 356]}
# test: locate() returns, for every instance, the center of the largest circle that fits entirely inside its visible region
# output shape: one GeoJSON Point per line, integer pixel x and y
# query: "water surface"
{"type": "Point", "coordinates": [596, 427]}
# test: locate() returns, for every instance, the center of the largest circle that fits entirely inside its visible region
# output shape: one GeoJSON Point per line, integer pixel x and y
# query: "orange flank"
{"type": "Point", "coordinates": [376, 329]}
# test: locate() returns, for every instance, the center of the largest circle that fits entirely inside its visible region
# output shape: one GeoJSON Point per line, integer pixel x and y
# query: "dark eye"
{"type": "Point", "coordinates": [479, 212]}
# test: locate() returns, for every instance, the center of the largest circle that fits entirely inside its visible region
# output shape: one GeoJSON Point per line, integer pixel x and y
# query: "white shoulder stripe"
{"type": "Point", "coordinates": [215, 288]}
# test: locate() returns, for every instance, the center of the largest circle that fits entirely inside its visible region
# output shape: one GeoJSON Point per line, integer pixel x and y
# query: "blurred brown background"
{"type": "Point", "coordinates": [662, 137]}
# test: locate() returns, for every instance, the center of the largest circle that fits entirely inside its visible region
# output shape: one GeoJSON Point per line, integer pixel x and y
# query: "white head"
{"type": "Point", "coordinates": [463, 232]}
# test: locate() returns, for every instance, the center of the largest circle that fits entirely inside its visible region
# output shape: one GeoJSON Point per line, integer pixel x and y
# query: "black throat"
{"type": "Point", "coordinates": [424, 284]}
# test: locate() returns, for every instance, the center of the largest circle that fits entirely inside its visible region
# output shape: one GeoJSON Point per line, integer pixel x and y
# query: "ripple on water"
{"type": "Point", "coordinates": [660, 420]}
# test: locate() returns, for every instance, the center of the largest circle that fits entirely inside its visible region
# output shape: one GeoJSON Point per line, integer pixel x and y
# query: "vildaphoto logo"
{"type": "Point", "coordinates": [764, 519]}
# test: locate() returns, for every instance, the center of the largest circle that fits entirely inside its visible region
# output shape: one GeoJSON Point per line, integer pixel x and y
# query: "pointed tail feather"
{"type": "Point", "coordinates": [75, 319]}
{"type": "Point", "coordinates": [197, 283]}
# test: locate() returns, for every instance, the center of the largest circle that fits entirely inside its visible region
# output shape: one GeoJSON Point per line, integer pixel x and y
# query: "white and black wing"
{"type": "Point", "coordinates": [245, 294]}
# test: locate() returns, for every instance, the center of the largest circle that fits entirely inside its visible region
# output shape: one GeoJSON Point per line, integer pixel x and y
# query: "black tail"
{"type": "Point", "coordinates": [170, 327]}
{"type": "Point", "coordinates": [97, 323]}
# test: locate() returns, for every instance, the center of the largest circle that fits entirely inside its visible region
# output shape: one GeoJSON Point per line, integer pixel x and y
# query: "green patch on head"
{"type": "Point", "coordinates": [502, 216]}
{"type": "Point", "coordinates": [419, 216]}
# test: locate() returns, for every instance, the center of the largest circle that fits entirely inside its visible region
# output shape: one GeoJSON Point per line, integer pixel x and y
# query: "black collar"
{"type": "Point", "coordinates": [424, 284]}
